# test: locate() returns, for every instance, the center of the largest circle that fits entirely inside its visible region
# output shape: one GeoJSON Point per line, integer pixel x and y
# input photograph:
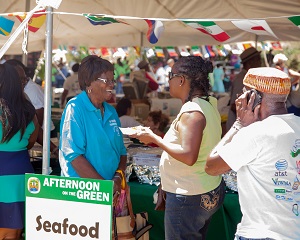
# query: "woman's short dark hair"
{"type": "Point", "coordinates": [16, 111]}
{"type": "Point", "coordinates": [196, 69]}
{"type": "Point", "coordinates": [91, 68]}
{"type": "Point", "coordinates": [122, 106]}
{"type": "Point", "coordinates": [159, 117]}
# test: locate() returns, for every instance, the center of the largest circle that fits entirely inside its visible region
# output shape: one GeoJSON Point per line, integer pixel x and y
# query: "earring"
{"type": "Point", "coordinates": [89, 90]}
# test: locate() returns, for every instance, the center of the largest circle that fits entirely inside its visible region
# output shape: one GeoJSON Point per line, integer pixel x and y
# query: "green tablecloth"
{"type": "Point", "coordinates": [222, 226]}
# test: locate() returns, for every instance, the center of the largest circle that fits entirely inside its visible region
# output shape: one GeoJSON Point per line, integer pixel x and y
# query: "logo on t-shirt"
{"type": "Point", "coordinates": [281, 165]}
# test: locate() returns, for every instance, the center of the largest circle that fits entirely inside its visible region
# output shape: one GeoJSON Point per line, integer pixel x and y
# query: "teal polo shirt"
{"type": "Point", "coordinates": [83, 131]}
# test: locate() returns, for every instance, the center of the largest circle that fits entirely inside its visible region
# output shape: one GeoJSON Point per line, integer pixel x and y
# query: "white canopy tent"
{"type": "Point", "coordinates": [72, 29]}
{"type": "Point", "coordinates": [75, 30]}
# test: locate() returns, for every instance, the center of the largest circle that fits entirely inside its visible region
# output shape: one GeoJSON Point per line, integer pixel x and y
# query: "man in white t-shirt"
{"type": "Point", "coordinates": [263, 147]}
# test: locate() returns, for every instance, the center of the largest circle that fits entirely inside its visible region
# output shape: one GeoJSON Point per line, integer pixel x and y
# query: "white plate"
{"type": "Point", "coordinates": [129, 131]}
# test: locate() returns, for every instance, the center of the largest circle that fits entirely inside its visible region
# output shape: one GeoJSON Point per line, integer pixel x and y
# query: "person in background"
{"type": "Point", "coordinates": [168, 69]}
{"type": "Point", "coordinates": [71, 86]}
{"type": "Point", "coordinates": [157, 122]}
{"type": "Point", "coordinates": [250, 59]}
{"type": "Point", "coordinates": [218, 79]}
{"type": "Point", "coordinates": [120, 73]}
{"type": "Point", "coordinates": [270, 57]}
{"type": "Point", "coordinates": [262, 146]}
{"type": "Point", "coordinates": [123, 109]}
{"type": "Point", "coordinates": [293, 99]}
{"type": "Point", "coordinates": [192, 196]}
{"type": "Point", "coordinates": [35, 94]}
{"type": "Point", "coordinates": [160, 75]}
{"type": "Point", "coordinates": [61, 74]}
{"type": "Point", "coordinates": [18, 133]}
{"type": "Point", "coordinates": [146, 74]}
{"type": "Point", "coordinates": [231, 76]}
{"type": "Point", "coordinates": [91, 143]}
{"type": "Point", "coordinates": [226, 80]}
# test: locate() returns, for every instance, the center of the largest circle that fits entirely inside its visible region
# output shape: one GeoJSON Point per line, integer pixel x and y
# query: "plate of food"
{"type": "Point", "coordinates": [132, 130]}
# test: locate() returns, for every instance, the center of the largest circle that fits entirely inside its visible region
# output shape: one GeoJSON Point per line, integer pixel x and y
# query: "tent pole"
{"type": "Point", "coordinates": [256, 39]}
{"type": "Point", "coordinates": [48, 93]}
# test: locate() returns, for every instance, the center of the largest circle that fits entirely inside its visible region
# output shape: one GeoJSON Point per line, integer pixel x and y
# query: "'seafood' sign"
{"type": "Point", "coordinates": [60, 208]}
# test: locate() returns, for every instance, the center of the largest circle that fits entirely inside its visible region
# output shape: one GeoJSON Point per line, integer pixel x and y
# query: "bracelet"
{"type": "Point", "coordinates": [117, 176]}
{"type": "Point", "coordinates": [237, 125]}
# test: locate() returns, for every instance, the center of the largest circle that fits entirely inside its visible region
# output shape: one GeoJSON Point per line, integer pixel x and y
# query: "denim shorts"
{"type": "Point", "coordinates": [188, 217]}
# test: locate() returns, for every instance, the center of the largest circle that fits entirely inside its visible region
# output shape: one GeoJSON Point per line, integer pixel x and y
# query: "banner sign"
{"type": "Point", "coordinates": [61, 208]}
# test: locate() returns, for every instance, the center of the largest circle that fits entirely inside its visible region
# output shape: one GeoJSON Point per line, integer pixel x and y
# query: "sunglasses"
{"type": "Point", "coordinates": [106, 81]}
{"type": "Point", "coordinates": [172, 75]}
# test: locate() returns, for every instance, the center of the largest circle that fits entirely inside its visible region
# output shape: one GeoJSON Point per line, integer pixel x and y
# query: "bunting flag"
{"type": "Point", "coordinates": [172, 52]}
{"type": "Point", "coordinates": [62, 47]}
{"type": "Point", "coordinates": [155, 30]}
{"type": "Point", "coordinates": [295, 20]}
{"type": "Point", "coordinates": [137, 50]}
{"type": "Point", "coordinates": [209, 51]}
{"type": "Point", "coordinates": [221, 50]}
{"type": "Point", "coordinates": [72, 48]}
{"type": "Point", "coordinates": [83, 51]}
{"type": "Point", "coordinates": [6, 26]}
{"type": "Point", "coordinates": [101, 20]}
{"type": "Point", "coordinates": [210, 28]}
{"type": "Point", "coordinates": [247, 45]}
{"type": "Point", "coordinates": [276, 45]}
{"type": "Point", "coordinates": [105, 52]}
{"type": "Point", "coordinates": [196, 51]}
{"type": "Point", "coordinates": [159, 52]}
{"type": "Point", "coordinates": [36, 21]}
{"type": "Point", "coordinates": [183, 51]}
{"type": "Point", "coordinates": [94, 51]}
{"type": "Point", "coordinates": [258, 27]}
{"type": "Point", "coordinates": [265, 46]}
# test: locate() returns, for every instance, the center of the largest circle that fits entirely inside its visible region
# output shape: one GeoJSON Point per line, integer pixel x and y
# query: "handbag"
{"type": "Point", "coordinates": [161, 199]}
{"type": "Point", "coordinates": [133, 226]}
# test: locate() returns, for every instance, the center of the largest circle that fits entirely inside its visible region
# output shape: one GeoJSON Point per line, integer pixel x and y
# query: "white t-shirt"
{"type": "Point", "coordinates": [265, 156]}
{"type": "Point", "coordinates": [161, 76]}
{"type": "Point", "coordinates": [36, 96]}
{"type": "Point", "coordinates": [127, 121]}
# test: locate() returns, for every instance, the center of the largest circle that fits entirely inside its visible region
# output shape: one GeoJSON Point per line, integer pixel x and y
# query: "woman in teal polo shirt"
{"type": "Point", "coordinates": [91, 144]}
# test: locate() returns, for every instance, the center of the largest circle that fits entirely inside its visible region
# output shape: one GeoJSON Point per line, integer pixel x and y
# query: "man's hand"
{"type": "Point", "coordinates": [244, 112]}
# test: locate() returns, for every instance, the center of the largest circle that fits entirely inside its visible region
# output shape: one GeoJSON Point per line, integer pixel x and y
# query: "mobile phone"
{"type": "Point", "coordinates": [257, 99]}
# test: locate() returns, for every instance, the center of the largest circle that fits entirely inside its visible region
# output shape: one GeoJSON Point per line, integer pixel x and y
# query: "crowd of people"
{"type": "Point", "coordinates": [261, 143]}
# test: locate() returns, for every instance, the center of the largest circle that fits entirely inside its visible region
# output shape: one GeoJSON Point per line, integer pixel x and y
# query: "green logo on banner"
{"type": "Point", "coordinates": [279, 190]}
{"type": "Point", "coordinates": [69, 189]}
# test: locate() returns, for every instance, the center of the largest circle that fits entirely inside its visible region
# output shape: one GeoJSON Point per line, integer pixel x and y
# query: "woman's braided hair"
{"type": "Point", "coordinates": [196, 69]}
